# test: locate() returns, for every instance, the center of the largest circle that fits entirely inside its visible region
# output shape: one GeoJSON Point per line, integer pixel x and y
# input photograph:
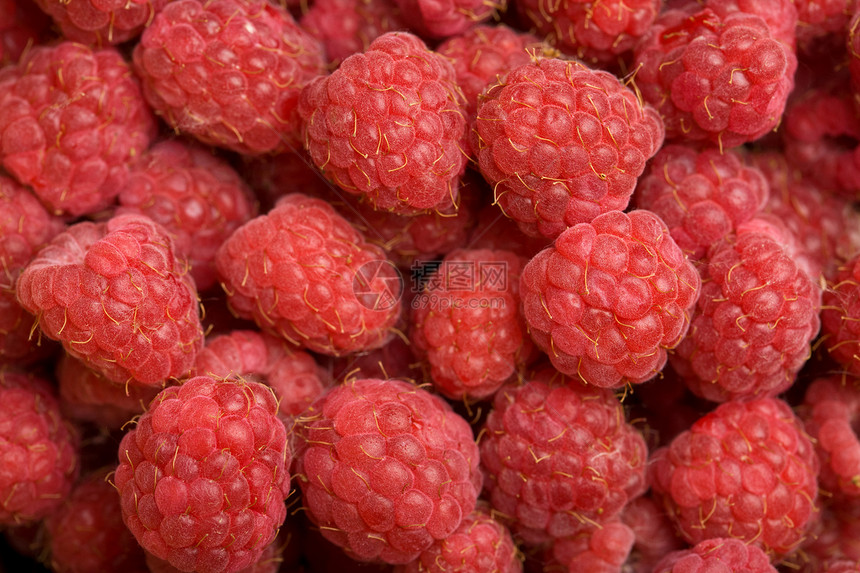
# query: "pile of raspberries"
{"type": "Point", "coordinates": [421, 286]}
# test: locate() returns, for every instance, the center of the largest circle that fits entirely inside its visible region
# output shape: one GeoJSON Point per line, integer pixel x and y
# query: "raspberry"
{"type": "Point", "coordinates": [385, 469]}
{"type": "Point", "coordinates": [115, 296]}
{"type": "Point", "coordinates": [394, 360]}
{"type": "Point", "coordinates": [817, 18]}
{"type": "Point", "coordinates": [72, 118]}
{"type": "Point", "coordinates": [560, 457]}
{"type": "Point", "coordinates": [268, 562]}
{"type": "Point", "coordinates": [721, 80]}
{"type": "Point", "coordinates": [603, 549]}
{"type": "Point", "coordinates": [197, 197]}
{"type": "Point", "coordinates": [717, 554]}
{"type": "Point", "coordinates": [481, 543]}
{"type": "Point", "coordinates": [837, 537]}
{"type": "Point", "coordinates": [346, 27]}
{"type": "Point", "coordinates": [481, 55]}
{"type": "Point", "coordinates": [228, 72]}
{"type": "Point", "coordinates": [387, 125]}
{"type": "Point", "coordinates": [780, 15]}
{"type": "Point", "coordinates": [654, 533]}
{"type": "Point", "coordinates": [561, 143]}
{"type": "Point", "coordinates": [754, 321]}
{"type": "Point", "coordinates": [433, 19]}
{"type": "Point", "coordinates": [21, 24]}
{"type": "Point", "coordinates": [273, 176]}
{"type": "Point", "coordinates": [203, 476]}
{"type": "Point", "coordinates": [86, 533]}
{"type": "Point", "coordinates": [594, 31]}
{"type": "Point", "coordinates": [499, 233]}
{"type": "Point", "coordinates": [38, 448]}
{"type": "Point", "coordinates": [833, 408]}
{"type": "Point", "coordinates": [701, 196]}
{"type": "Point", "coordinates": [98, 23]}
{"type": "Point", "coordinates": [303, 273]}
{"type": "Point", "coordinates": [609, 298]}
{"type": "Point", "coordinates": [88, 397]}
{"type": "Point", "coordinates": [467, 324]}
{"type": "Point", "coordinates": [746, 470]}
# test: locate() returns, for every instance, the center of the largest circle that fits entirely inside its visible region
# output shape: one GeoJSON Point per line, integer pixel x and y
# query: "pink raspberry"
{"type": "Point", "coordinates": [701, 195]}
{"type": "Point", "coordinates": [746, 470]}
{"type": "Point", "coordinates": [602, 549]}
{"type": "Point", "coordinates": [654, 534]}
{"type": "Point", "coordinates": [303, 273]}
{"type": "Point", "coordinates": [817, 18]}
{"type": "Point", "coordinates": [594, 31]}
{"type": "Point", "coordinates": [196, 196]}
{"type": "Point", "coordinates": [434, 19]}
{"type": "Point", "coordinates": [388, 125]}
{"type": "Point", "coordinates": [836, 537]}
{"type": "Point", "coordinates": [228, 72]}
{"type": "Point", "coordinates": [203, 476]}
{"type": "Point", "coordinates": [499, 233]}
{"type": "Point", "coordinates": [346, 27]}
{"type": "Point", "coordinates": [38, 447]}
{"type": "Point", "coordinates": [481, 55]}
{"type": "Point", "coordinates": [115, 295]}
{"type": "Point", "coordinates": [560, 457]}
{"type": "Point", "coordinates": [274, 176]}
{"type": "Point", "coordinates": [386, 469]}
{"type": "Point", "coordinates": [724, 80]}
{"type": "Point", "coordinates": [481, 543]}
{"type": "Point", "coordinates": [755, 318]}
{"type": "Point", "coordinates": [717, 554]}
{"type": "Point", "coordinates": [21, 25]}
{"type": "Point", "coordinates": [466, 322]}
{"type": "Point", "coordinates": [561, 143]}
{"type": "Point", "coordinates": [394, 360]}
{"type": "Point", "coordinates": [86, 533]}
{"type": "Point", "coordinates": [99, 23]}
{"type": "Point", "coordinates": [779, 15]}
{"type": "Point", "coordinates": [609, 298]}
{"type": "Point", "coordinates": [71, 119]}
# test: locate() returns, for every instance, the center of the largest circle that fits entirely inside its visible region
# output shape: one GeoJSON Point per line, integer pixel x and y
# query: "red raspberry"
{"type": "Point", "coordinates": [228, 72]}
{"type": "Point", "coordinates": [204, 474]}
{"type": "Point", "coordinates": [481, 55]}
{"type": "Point", "coordinates": [466, 322]}
{"type": "Point", "coordinates": [602, 549]}
{"type": "Point", "coordinates": [817, 18]}
{"type": "Point", "coordinates": [303, 273]}
{"type": "Point", "coordinates": [38, 448]}
{"type": "Point", "coordinates": [754, 321]}
{"type": "Point", "coordinates": [346, 27]}
{"type": "Point", "coordinates": [721, 80]}
{"type": "Point", "coordinates": [841, 566]}
{"type": "Point", "coordinates": [116, 297]}
{"type": "Point", "coordinates": [837, 537]}
{"type": "Point", "coordinates": [832, 409]}
{"type": "Point", "coordinates": [609, 298]}
{"type": "Point", "coordinates": [86, 533]}
{"type": "Point", "coordinates": [561, 143]}
{"type": "Point", "coordinates": [746, 470]}
{"type": "Point", "coordinates": [22, 24]}
{"type": "Point", "coordinates": [386, 468]}
{"type": "Point", "coordinates": [596, 31]}
{"type": "Point", "coordinates": [394, 360]}
{"type": "Point", "coordinates": [701, 195]}
{"type": "Point", "coordinates": [71, 119]}
{"type": "Point", "coordinates": [654, 534]}
{"type": "Point", "coordinates": [560, 457]}
{"type": "Point", "coordinates": [99, 23]}
{"type": "Point", "coordinates": [196, 196]}
{"type": "Point", "coordinates": [717, 554]}
{"type": "Point", "coordinates": [88, 397]}
{"type": "Point", "coordinates": [481, 543]}
{"type": "Point", "coordinates": [499, 233]}
{"type": "Point", "coordinates": [274, 176]}
{"type": "Point", "coordinates": [388, 124]}
{"type": "Point", "coordinates": [779, 15]}
{"type": "Point", "coordinates": [434, 19]}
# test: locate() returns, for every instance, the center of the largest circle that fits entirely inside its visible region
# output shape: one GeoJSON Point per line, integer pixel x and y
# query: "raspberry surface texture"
{"type": "Point", "coordinates": [433, 19]}
{"type": "Point", "coordinates": [303, 273]}
{"type": "Point", "coordinates": [346, 27]}
{"type": "Point", "coordinates": [203, 476]}
{"type": "Point", "coordinates": [386, 469]}
{"type": "Point", "coordinates": [746, 470]}
{"type": "Point", "coordinates": [116, 297]}
{"type": "Point", "coordinates": [561, 143]}
{"type": "Point", "coordinates": [609, 298]}
{"type": "Point", "coordinates": [388, 125]}
{"type": "Point", "coordinates": [602, 549]}
{"type": "Point", "coordinates": [101, 23]}
{"type": "Point", "coordinates": [560, 457]}
{"type": "Point", "coordinates": [228, 72]}
{"type": "Point", "coordinates": [71, 118]}
{"type": "Point", "coordinates": [718, 554]}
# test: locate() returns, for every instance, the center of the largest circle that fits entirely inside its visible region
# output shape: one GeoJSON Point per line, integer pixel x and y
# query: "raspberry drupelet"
{"type": "Point", "coordinates": [609, 298]}
{"type": "Point", "coordinates": [560, 457]}
{"type": "Point", "coordinates": [117, 298]}
{"type": "Point", "coordinates": [228, 72]}
{"type": "Point", "coordinates": [561, 143]}
{"type": "Point", "coordinates": [386, 469]}
{"type": "Point", "coordinates": [388, 124]}
{"type": "Point", "coordinates": [71, 119]}
{"type": "Point", "coordinates": [304, 274]}
{"type": "Point", "coordinates": [99, 23]}
{"type": "Point", "coordinates": [203, 475]}
{"type": "Point", "coordinates": [746, 470]}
